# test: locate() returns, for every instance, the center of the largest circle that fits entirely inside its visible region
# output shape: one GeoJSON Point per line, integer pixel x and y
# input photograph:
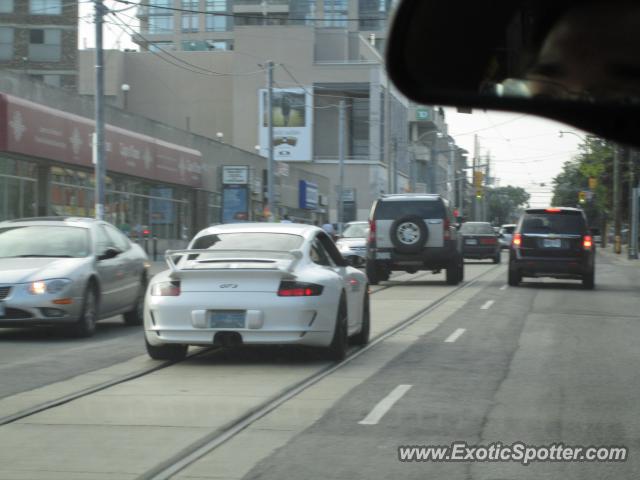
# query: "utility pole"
{"type": "Point", "coordinates": [474, 204]}
{"type": "Point", "coordinates": [616, 199]}
{"type": "Point", "coordinates": [341, 125]}
{"type": "Point", "coordinates": [387, 134]}
{"type": "Point", "coordinates": [633, 207]}
{"type": "Point", "coordinates": [270, 192]}
{"type": "Point", "coordinates": [99, 150]}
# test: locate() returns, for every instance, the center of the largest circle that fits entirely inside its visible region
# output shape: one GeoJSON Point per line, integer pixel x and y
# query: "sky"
{"type": "Point", "coordinates": [526, 151]}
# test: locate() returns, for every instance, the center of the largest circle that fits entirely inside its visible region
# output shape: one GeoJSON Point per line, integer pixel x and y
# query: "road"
{"type": "Point", "coordinates": [543, 363]}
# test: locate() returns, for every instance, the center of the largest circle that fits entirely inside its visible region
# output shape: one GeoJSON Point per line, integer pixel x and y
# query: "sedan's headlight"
{"type": "Point", "coordinates": [53, 286]}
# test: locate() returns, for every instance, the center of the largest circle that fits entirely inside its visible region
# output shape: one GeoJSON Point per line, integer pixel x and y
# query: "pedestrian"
{"type": "Point", "coordinates": [328, 228]}
{"type": "Point", "coordinates": [285, 108]}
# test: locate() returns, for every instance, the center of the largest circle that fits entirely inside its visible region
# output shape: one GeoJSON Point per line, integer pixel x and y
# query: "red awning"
{"type": "Point", "coordinates": [39, 131]}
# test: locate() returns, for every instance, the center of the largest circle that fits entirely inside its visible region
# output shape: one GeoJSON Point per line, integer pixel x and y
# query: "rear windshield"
{"type": "Point", "coordinates": [560, 223]}
{"type": "Point", "coordinates": [392, 210]}
{"type": "Point", "coordinates": [477, 229]}
{"type": "Point", "coordinates": [255, 241]}
{"type": "Point", "coordinates": [508, 229]}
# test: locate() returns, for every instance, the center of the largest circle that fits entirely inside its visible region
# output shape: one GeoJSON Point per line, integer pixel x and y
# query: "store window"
{"type": "Point", "coordinates": [45, 7]}
{"type": "Point", "coordinates": [17, 189]}
{"type": "Point", "coordinates": [6, 43]}
{"type": "Point", "coordinates": [45, 45]}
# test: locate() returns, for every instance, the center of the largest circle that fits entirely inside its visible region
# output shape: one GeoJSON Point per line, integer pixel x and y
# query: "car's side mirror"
{"type": "Point", "coordinates": [109, 253]}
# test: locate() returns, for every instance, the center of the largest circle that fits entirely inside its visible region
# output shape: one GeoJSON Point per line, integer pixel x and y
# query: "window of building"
{"type": "Point", "coordinates": [52, 80]}
{"type": "Point", "coordinates": [161, 46]}
{"type": "Point", "coordinates": [160, 7]}
{"type": "Point", "coordinates": [189, 23]}
{"type": "Point", "coordinates": [161, 24]}
{"type": "Point", "coordinates": [18, 193]}
{"type": "Point", "coordinates": [206, 45]}
{"type": "Point", "coordinates": [218, 23]}
{"type": "Point", "coordinates": [45, 7]}
{"type": "Point", "coordinates": [6, 6]}
{"type": "Point", "coordinates": [302, 11]}
{"type": "Point", "coordinates": [45, 45]}
{"type": "Point", "coordinates": [373, 13]}
{"type": "Point", "coordinates": [336, 13]}
{"type": "Point", "coordinates": [6, 43]}
{"type": "Point", "coordinates": [190, 5]}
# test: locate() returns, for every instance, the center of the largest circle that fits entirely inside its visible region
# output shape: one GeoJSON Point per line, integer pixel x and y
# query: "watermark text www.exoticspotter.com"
{"type": "Point", "coordinates": [516, 452]}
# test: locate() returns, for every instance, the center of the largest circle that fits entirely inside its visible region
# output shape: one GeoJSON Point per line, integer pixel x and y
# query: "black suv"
{"type": "Point", "coordinates": [552, 242]}
{"type": "Point", "coordinates": [411, 232]}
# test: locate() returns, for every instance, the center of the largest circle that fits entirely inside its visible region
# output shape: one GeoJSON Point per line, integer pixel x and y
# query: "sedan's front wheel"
{"type": "Point", "coordinates": [171, 352]}
{"type": "Point", "coordinates": [86, 324]}
{"type": "Point", "coordinates": [136, 314]}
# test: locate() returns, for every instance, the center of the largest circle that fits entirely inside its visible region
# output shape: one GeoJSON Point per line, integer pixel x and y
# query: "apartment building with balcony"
{"type": "Point", "coordinates": [39, 38]}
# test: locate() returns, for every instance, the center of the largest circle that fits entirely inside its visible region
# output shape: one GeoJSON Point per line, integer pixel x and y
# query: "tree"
{"type": "Point", "coordinates": [504, 203]}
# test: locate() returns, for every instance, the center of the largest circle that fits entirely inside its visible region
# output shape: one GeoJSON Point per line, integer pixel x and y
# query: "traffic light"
{"type": "Point", "coordinates": [582, 197]}
{"type": "Point", "coordinates": [593, 183]}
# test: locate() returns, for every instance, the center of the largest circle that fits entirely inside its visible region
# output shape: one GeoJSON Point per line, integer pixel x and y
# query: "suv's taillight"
{"type": "Point", "coordinates": [447, 232]}
{"type": "Point", "coordinates": [517, 240]}
{"type": "Point", "coordinates": [372, 233]}
{"type": "Point", "coordinates": [587, 242]}
{"type": "Point", "coordinates": [299, 289]}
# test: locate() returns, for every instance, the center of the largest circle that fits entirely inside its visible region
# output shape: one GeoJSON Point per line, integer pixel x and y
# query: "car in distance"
{"type": "Point", "coordinates": [505, 235]}
{"type": "Point", "coordinates": [352, 244]}
{"type": "Point", "coordinates": [552, 242]}
{"type": "Point", "coordinates": [69, 271]}
{"type": "Point", "coordinates": [257, 283]}
{"type": "Point", "coordinates": [480, 241]}
{"type": "Point", "coordinates": [412, 232]}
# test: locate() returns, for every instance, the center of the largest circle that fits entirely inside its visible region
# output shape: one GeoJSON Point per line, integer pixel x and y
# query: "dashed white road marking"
{"type": "Point", "coordinates": [504, 287]}
{"type": "Point", "coordinates": [487, 305]}
{"type": "Point", "coordinates": [385, 405]}
{"type": "Point", "coordinates": [455, 335]}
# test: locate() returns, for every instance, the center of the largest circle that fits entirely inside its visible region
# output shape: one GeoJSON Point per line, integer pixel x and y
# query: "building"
{"type": "Point", "coordinates": [160, 179]}
{"type": "Point", "coordinates": [323, 52]}
{"type": "Point", "coordinates": [39, 38]}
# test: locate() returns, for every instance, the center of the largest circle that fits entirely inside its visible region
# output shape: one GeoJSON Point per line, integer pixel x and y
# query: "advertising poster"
{"type": "Point", "coordinates": [161, 210]}
{"type": "Point", "coordinates": [292, 124]}
{"type": "Point", "coordinates": [235, 203]}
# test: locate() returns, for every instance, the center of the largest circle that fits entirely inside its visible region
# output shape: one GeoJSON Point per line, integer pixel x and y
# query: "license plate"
{"type": "Point", "coordinates": [2, 309]}
{"type": "Point", "coordinates": [383, 255]}
{"type": "Point", "coordinates": [471, 241]}
{"type": "Point", "coordinates": [552, 243]}
{"type": "Point", "coordinates": [226, 319]}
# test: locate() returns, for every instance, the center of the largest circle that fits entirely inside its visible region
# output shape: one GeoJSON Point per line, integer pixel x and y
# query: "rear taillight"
{"type": "Point", "coordinates": [447, 232]}
{"type": "Point", "coordinates": [517, 240]}
{"type": "Point", "coordinates": [299, 289]}
{"type": "Point", "coordinates": [372, 233]}
{"type": "Point", "coordinates": [166, 289]}
{"type": "Point", "coordinates": [587, 242]}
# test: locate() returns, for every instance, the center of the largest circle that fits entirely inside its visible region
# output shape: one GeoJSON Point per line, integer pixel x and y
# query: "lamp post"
{"type": "Point", "coordinates": [125, 87]}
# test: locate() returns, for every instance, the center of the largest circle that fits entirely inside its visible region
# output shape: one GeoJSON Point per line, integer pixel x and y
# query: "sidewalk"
{"type": "Point", "coordinates": [622, 259]}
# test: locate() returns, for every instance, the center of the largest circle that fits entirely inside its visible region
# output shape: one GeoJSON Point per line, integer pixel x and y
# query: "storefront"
{"type": "Point", "coordinates": [46, 169]}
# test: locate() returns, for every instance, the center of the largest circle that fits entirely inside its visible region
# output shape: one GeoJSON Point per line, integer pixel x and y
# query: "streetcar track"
{"type": "Point", "coordinates": [48, 405]}
{"type": "Point", "coordinates": [205, 445]}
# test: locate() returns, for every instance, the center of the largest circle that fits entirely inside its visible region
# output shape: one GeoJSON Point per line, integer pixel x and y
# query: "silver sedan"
{"type": "Point", "coordinates": [71, 271]}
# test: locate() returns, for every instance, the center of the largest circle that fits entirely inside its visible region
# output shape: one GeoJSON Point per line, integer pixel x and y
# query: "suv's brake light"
{"type": "Point", "coordinates": [587, 242]}
{"type": "Point", "coordinates": [553, 210]}
{"type": "Point", "coordinates": [447, 233]}
{"type": "Point", "coordinates": [372, 233]}
{"type": "Point", "coordinates": [517, 240]}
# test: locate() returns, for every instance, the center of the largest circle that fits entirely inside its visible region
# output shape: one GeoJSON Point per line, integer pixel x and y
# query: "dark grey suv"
{"type": "Point", "coordinates": [412, 232]}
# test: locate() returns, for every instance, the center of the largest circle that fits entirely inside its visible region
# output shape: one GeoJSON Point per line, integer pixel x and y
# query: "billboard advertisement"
{"type": "Point", "coordinates": [235, 203]}
{"type": "Point", "coordinates": [292, 110]}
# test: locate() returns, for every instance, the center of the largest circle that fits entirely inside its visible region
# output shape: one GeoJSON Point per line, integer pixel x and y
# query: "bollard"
{"type": "Point", "coordinates": [146, 245]}
{"type": "Point", "coordinates": [155, 248]}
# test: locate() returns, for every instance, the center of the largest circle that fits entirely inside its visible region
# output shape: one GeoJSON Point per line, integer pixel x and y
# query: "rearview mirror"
{"type": "Point", "coordinates": [523, 56]}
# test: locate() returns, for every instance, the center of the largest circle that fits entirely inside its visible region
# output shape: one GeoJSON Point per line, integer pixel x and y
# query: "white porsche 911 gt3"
{"type": "Point", "coordinates": [256, 283]}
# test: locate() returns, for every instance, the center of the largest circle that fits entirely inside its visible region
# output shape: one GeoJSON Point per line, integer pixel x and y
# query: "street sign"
{"type": "Point", "coordinates": [235, 175]}
{"type": "Point", "coordinates": [593, 183]}
{"type": "Point", "coordinates": [422, 114]}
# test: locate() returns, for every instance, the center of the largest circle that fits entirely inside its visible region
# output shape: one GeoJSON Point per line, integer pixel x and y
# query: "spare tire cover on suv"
{"type": "Point", "coordinates": [409, 234]}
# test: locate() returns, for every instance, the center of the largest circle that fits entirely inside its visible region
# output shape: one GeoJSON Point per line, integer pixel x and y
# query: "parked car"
{"type": "Point", "coordinates": [353, 243]}
{"type": "Point", "coordinates": [552, 242]}
{"type": "Point", "coordinates": [412, 232]}
{"type": "Point", "coordinates": [505, 235]}
{"type": "Point", "coordinates": [69, 271]}
{"type": "Point", "coordinates": [257, 283]}
{"type": "Point", "coordinates": [480, 241]}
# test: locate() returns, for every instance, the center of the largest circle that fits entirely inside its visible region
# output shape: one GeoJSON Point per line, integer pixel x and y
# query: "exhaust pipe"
{"type": "Point", "coordinates": [227, 339]}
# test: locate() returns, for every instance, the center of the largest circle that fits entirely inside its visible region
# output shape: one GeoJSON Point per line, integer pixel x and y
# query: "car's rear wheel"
{"type": "Point", "coordinates": [135, 316]}
{"type": "Point", "coordinates": [589, 280]}
{"type": "Point", "coordinates": [461, 271]}
{"type": "Point", "coordinates": [453, 271]}
{"type": "Point", "coordinates": [171, 352]}
{"type": "Point", "coordinates": [337, 350]}
{"type": "Point", "coordinates": [362, 337]}
{"type": "Point", "coordinates": [497, 258]}
{"type": "Point", "coordinates": [86, 324]}
{"type": "Point", "coordinates": [515, 277]}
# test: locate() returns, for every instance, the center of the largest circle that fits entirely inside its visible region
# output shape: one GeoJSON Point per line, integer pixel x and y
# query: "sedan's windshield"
{"type": "Point", "coordinates": [476, 229]}
{"type": "Point", "coordinates": [44, 241]}
{"type": "Point", "coordinates": [356, 230]}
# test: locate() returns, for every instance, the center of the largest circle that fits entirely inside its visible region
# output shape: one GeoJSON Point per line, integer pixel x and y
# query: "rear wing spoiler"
{"type": "Point", "coordinates": [227, 256]}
